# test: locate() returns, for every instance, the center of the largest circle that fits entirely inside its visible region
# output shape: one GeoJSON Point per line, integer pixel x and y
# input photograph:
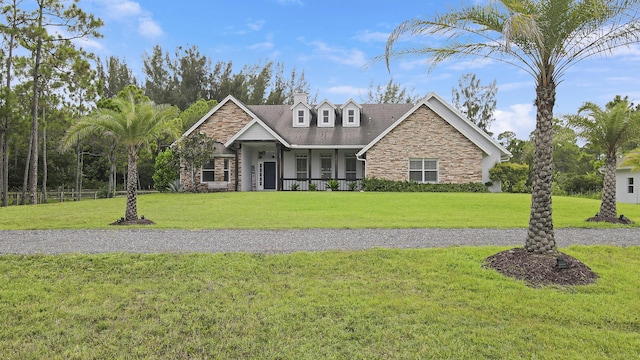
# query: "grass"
{"type": "Point", "coordinates": [286, 210]}
{"type": "Point", "coordinates": [375, 304]}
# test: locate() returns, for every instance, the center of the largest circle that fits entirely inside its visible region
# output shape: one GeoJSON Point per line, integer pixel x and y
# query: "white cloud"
{"type": "Point", "coordinates": [148, 28]}
{"type": "Point", "coordinates": [89, 44]}
{"type": "Point", "coordinates": [410, 65]}
{"type": "Point", "coordinates": [515, 85]}
{"type": "Point", "coordinates": [353, 57]}
{"type": "Point", "coordinates": [119, 9]}
{"type": "Point", "coordinates": [266, 45]}
{"type": "Point", "coordinates": [85, 43]}
{"type": "Point", "coordinates": [263, 46]}
{"type": "Point", "coordinates": [519, 118]}
{"type": "Point", "coordinates": [255, 25]}
{"type": "Point", "coordinates": [348, 91]}
{"type": "Point", "coordinates": [474, 63]}
{"type": "Point", "coordinates": [370, 37]}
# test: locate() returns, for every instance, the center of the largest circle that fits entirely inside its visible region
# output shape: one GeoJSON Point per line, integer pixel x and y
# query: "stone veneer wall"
{"type": "Point", "coordinates": [222, 125]}
{"type": "Point", "coordinates": [424, 134]}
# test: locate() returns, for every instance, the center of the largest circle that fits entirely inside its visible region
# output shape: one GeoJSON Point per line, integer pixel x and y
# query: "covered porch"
{"type": "Point", "coordinates": [271, 166]}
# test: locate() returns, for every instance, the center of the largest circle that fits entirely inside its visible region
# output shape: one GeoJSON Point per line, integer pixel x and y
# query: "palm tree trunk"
{"type": "Point", "coordinates": [540, 239]}
{"type": "Point", "coordinates": [608, 204]}
{"type": "Point", "coordinates": [132, 176]}
{"type": "Point", "coordinates": [112, 170]}
{"type": "Point", "coordinates": [78, 177]}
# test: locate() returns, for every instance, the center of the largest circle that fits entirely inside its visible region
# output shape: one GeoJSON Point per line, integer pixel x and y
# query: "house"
{"type": "Point", "coordinates": [288, 147]}
{"type": "Point", "coordinates": [627, 183]}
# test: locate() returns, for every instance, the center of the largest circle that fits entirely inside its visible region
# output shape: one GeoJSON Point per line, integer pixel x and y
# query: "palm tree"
{"type": "Point", "coordinates": [543, 38]}
{"type": "Point", "coordinates": [130, 122]}
{"type": "Point", "coordinates": [607, 130]}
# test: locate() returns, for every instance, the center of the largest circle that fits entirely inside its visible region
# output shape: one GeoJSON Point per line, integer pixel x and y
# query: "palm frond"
{"type": "Point", "coordinates": [632, 160]}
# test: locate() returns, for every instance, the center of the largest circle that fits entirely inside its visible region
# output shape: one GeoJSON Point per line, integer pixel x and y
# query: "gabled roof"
{"type": "Point", "coordinates": [215, 108]}
{"type": "Point", "coordinates": [252, 124]}
{"type": "Point", "coordinates": [375, 119]}
{"type": "Point", "coordinates": [459, 122]}
{"type": "Point", "coordinates": [325, 101]}
{"type": "Point", "coordinates": [298, 103]}
{"type": "Point", "coordinates": [350, 101]}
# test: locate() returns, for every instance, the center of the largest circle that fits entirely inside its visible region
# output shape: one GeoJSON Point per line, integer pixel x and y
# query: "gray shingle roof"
{"type": "Point", "coordinates": [375, 118]}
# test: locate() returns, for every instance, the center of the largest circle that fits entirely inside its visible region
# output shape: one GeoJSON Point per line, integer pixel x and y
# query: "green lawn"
{"type": "Point", "coordinates": [280, 210]}
{"type": "Point", "coordinates": [375, 304]}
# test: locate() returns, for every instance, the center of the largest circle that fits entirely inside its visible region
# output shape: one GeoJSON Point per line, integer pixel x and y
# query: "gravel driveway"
{"type": "Point", "coordinates": [284, 241]}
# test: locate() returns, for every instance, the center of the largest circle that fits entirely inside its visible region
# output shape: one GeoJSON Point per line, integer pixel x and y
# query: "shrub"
{"type": "Point", "coordinates": [353, 185]}
{"type": "Point", "coordinates": [333, 184]}
{"type": "Point", "coordinates": [165, 170]}
{"type": "Point", "coordinates": [312, 187]}
{"type": "Point", "coordinates": [512, 176]}
{"type": "Point", "coordinates": [376, 184]}
{"type": "Point", "coordinates": [104, 193]}
{"type": "Point", "coordinates": [583, 184]}
{"type": "Point", "coordinates": [175, 186]}
{"type": "Point", "coordinates": [294, 187]}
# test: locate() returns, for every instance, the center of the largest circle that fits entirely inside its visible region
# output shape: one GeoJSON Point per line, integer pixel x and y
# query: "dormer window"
{"type": "Point", "coordinates": [351, 112]}
{"type": "Point", "coordinates": [301, 111]}
{"type": "Point", "coordinates": [326, 114]}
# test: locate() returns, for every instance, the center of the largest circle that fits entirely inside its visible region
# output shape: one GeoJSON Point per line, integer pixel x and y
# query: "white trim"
{"type": "Point", "coordinates": [351, 105]}
{"type": "Point", "coordinates": [423, 170]}
{"type": "Point", "coordinates": [426, 103]}
{"type": "Point", "coordinates": [215, 108]}
{"type": "Point", "coordinates": [249, 125]}
{"type": "Point", "coordinates": [351, 101]}
{"type": "Point", "coordinates": [324, 147]}
{"type": "Point", "coordinates": [433, 95]}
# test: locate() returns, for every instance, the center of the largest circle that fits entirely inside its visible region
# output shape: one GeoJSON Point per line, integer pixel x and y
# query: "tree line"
{"type": "Point", "coordinates": [48, 83]}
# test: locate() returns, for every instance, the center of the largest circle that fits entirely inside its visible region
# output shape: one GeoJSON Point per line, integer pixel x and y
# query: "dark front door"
{"type": "Point", "coordinates": [270, 175]}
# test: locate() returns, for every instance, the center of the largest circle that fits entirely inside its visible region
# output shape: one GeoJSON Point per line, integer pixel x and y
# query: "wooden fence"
{"type": "Point", "coordinates": [15, 198]}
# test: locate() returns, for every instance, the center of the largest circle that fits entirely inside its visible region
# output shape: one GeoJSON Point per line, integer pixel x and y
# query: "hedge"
{"type": "Point", "coordinates": [382, 185]}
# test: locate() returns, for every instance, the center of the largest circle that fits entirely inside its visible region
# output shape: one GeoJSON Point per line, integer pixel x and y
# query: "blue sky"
{"type": "Point", "coordinates": [334, 42]}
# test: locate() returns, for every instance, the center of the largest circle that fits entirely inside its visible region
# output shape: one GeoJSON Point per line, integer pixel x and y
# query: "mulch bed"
{"type": "Point", "coordinates": [541, 270]}
{"type": "Point", "coordinates": [141, 221]}
{"type": "Point", "coordinates": [611, 219]}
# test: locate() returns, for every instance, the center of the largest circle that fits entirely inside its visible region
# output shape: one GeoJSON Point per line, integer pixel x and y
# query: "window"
{"type": "Point", "coordinates": [350, 167]}
{"type": "Point", "coordinates": [326, 166]}
{"type": "Point", "coordinates": [630, 185]}
{"type": "Point", "coordinates": [227, 169]}
{"type": "Point", "coordinates": [300, 116]}
{"type": "Point", "coordinates": [208, 171]}
{"type": "Point", "coordinates": [423, 170]}
{"type": "Point", "coordinates": [325, 116]}
{"type": "Point", "coordinates": [351, 116]}
{"type": "Point", "coordinates": [301, 166]}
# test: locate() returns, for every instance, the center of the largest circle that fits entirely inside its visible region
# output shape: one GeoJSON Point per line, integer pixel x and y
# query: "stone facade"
{"type": "Point", "coordinates": [424, 134]}
{"type": "Point", "coordinates": [222, 126]}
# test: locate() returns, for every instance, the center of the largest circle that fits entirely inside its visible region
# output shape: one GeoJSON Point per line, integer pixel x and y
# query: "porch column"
{"type": "Point", "coordinates": [336, 165]}
{"type": "Point", "coordinates": [235, 175]}
{"type": "Point", "coordinates": [279, 166]}
{"type": "Point", "coordinates": [309, 165]}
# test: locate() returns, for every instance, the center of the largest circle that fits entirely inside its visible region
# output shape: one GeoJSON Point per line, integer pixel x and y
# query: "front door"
{"type": "Point", "coordinates": [269, 168]}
